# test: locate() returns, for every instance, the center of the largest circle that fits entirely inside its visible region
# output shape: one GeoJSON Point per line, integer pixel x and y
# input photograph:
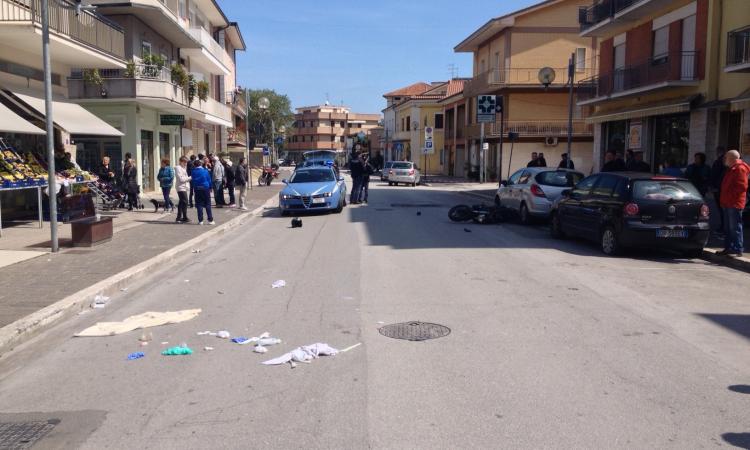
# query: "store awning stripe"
{"type": "Point", "coordinates": [640, 113]}
{"type": "Point", "coordinates": [11, 122]}
{"type": "Point", "coordinates": [71, 117]}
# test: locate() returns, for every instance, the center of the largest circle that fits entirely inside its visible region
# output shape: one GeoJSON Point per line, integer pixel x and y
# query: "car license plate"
{"type": "Point", "coordinates": [671, 233]}
{"type": "Point", "coordinates": [402, 173]}
{"type": "Point", "coordinates": [319, 200]}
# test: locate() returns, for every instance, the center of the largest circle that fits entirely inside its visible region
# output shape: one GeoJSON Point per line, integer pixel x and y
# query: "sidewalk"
{"type": "Point", "coordinates": [716, 244]}
{"type": "Point", "coordinates": [30, 285]}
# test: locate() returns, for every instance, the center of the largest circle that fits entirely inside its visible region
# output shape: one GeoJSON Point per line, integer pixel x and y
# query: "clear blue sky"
{"type": "Point", "coordinates": [354, 50]}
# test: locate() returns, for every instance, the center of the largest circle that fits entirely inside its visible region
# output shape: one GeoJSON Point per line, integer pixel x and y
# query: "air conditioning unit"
{"type": "Point", "coordinates": [550, 141]}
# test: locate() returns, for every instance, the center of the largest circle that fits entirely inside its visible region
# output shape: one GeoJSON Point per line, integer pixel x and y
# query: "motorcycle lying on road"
{"type": "Point", "coordinates": [482, 214]}
{"type": "Point", "coordinates": [268, 174]}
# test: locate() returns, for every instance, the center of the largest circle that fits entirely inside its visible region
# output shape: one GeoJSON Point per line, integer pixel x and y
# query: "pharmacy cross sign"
{"type": "Point", "coordinates": [486, 108]}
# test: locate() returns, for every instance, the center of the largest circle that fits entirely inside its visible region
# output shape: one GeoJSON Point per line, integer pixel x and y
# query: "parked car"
{"type": "Point", "coordinates": [404, 172]}
{"type": "Point", "coordinates": [314, 188]}
{"type": "Point", "coordinates": [530, 192]}
{"type": "Point", "coordinates": [384, 172]}
{"type": "Point", "coordinates": [630, 209]}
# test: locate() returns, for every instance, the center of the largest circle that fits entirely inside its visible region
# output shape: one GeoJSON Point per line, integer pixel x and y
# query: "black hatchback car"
{"type": "Point", "coordinates": [631, 209]}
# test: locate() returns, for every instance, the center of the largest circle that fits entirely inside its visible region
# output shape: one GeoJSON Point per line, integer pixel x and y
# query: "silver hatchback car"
{"type": "Point", "coordinates": [530, 192]}
{"type": "Point", "coordinates": [403, 172]}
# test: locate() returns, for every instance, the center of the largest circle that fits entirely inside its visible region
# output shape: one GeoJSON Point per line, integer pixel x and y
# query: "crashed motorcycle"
{"type": "Point", "coordinates": [267, 176]}
{"type": "Point", "coordinates": [482, 214]}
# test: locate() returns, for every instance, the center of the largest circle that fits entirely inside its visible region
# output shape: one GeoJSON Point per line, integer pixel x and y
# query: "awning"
{"type": "Point", "coordinates": [71, 117]}
{"type": "Point", "coordinates": [219, 121]}
{"type": "Point", "coordinates": [11, 122]}
{"type": "Point", "coordinates": [740, 102]}
{"type": "Point", "coordinates": [644, 110]}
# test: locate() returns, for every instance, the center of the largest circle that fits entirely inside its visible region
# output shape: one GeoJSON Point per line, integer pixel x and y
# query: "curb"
{"type": "Point", "coordinates": [27, 327]}
{"type": "Point", "coordinates": [742, 264]}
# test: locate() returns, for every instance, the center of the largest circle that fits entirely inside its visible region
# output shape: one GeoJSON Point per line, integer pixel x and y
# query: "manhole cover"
{"type": "Point", "coordinates": [22, 435]}
{"type": "Point", "coordinates": [414, 331]}
{"type": "Point", "coordinates": [416, 205]}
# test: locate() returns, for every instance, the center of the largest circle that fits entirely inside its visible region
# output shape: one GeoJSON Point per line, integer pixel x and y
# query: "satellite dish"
{"type": "Point", "coordinates": [546, 76]}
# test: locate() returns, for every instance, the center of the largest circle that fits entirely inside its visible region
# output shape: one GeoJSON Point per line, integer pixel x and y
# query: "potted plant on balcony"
{"type": "Point", "coordinates": [203, 88]}
{"type": "Point", "coordinates": [92, 82]}
{"type": "Point", "coordinates": [192, 88]}
{"type": "Point", "coordinates": [130, 69]}
{"type": "Point", "coordinates": [152, 66]}
{"type": "Point", "coordinates": [179, 75]}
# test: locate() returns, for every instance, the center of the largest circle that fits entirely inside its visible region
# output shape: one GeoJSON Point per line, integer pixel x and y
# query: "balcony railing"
{"type": "Point", "coordinates": [671, 68]}
{"type": "Point", "coordinates": [237, 100]}
{"type": "Point", "coordinates": [213, 47]}
{"type": "Point", "coordinates": [497, 78]}
{"type": "Point", "coordinates": [601, 10]}
{"type": "Point", "coordinates": [738, 47]}
{"type": "Point", "coordinates": [87, 28]}
{"type": "Point", "coordinates": [236, 135]}
{"type": "Point", "coordinates": [540, 128]}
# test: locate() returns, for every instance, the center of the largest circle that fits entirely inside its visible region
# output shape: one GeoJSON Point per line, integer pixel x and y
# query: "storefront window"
{"type": "Point", "coordinates": [617, 133]}
{"type": "Point", "coordinates": [671, 141]}
{"type": "Point", "coordinates": [147, 164]}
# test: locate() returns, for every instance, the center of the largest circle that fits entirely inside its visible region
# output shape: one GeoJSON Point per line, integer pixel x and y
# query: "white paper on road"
{"type": "Point", "coordinates": [278, 284]}
{"type": "Point", "coordinates": [303, 354]}
{"type": "Point", "coordinates": [145, 320]}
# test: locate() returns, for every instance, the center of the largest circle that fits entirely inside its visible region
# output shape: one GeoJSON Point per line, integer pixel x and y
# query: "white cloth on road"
{"type": "Point", "coordinates": [145, 320]}
{"type": "Point", "coordinates": [303, 354]}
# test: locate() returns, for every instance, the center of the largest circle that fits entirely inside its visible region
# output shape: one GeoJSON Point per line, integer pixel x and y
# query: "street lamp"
{"type": "Point", "coordinates": [263, 105]}
{"type": "Point", "coordinates": [49, 124]}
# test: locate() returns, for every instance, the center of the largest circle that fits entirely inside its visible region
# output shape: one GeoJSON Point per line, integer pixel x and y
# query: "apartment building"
{"type": "Point", "coordinates": [180, 62]}
{"type": "Point", "coordinates": [673, 79]}
{"type": "Point", "coordinates": [455, 141]}
{"type": "Point", "coordinates": [508, 54]}
{"type": "Point", "coordinates": [84, 40]}
{"type": "Point", "coordinates": [327, 127]}
{"type": "Point", "coordinates": [394, 149]}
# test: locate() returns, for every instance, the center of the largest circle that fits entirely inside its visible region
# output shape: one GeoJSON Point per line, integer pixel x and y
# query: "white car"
{"type": "Point", "coordinates": [530, 192]}
{"type": "Point", "coordinates": [403, 172]}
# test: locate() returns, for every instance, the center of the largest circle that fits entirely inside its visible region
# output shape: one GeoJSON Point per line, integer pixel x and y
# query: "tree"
{"type": "Point", "coordinates": [280, 110]}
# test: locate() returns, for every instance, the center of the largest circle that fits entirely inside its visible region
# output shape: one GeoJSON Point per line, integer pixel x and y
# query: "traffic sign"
{"type": "Point", "coordinates": [266, 151]}
{"type": "Point", "coordinates": [428, 149]}
{"type": "Point", "coordinates": [279, 140]}
{"type": "Point", "coordinates": [398, 146]}
{"type": "Point", "coordinates": [498, 104]}
{"type": "Point", "coordinates": [486, 105]}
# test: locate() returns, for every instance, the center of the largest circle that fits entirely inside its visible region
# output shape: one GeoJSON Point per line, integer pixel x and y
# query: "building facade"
{"type": "Point", "coordinates": [180, 61]}
{"type": "Point", "coordinates": [394, 149]}
{"type": "Point", "coordinates": [327, 127]}
{"type": "Point", "coordinates": [509, 52]}
{"type": "Point", "coordinates": [673, 79]}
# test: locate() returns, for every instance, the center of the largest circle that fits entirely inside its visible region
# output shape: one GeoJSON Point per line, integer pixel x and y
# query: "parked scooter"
{"type": "Point", "coordinates": [482, 214]}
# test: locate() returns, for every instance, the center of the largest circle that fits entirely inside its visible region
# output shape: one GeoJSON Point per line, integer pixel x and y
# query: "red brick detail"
{"type": "Point", "coordinates": [675, 46]}
{"type": "Point", "coordinates": [639, 44]}
{"type": "Point", "coordinates": [701, 36]}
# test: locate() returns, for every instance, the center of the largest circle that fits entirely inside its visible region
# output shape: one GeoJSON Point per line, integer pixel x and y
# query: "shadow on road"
{"type": "Point", "coordinates": [740, 388]}
{"type": "Point", "coordinates": [738, 323]}
{"type": "Point", "coordinates": [741, 440]}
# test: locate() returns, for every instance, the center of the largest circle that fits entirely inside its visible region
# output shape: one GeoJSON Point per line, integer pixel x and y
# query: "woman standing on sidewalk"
{"type": "Point", "coordinates": [166, 180]}
{"type": "Point", "coordinates": [183, 186]}
{"type": "Point", "coordinates": [130, 182]}
{"type": "Point", "coordinates": [202, 185]}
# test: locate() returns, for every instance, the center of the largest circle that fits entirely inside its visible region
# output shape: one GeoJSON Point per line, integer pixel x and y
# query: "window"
{"type": "Point", "coordinates": [497, 61]}
{"type": "Point", "coordinates": [524, 177]}
{"type": "Point", "coordinates": [661, 45]}
{"type": "Point", "coordinates": [425, 121]}
{"type": "Point", "coordinates": [145, 49]}
{"type": "Point", "coordinates": [605, 187]}
{"type": "Point", "coordinates": [558, 178]}
{"type": "Point", "coordinates": [333, 124]}
{"type": "Point", "coordinates": [580, 59]}
{"type": "Point", "coordinates": [438, 121]}
{"type": "Point", "coordinates": [584, 187]}
{"type": "Point", "coordinates": [343, 124]}
{"type": "Point", "coordinates": [402, 124]}
{"type": "Point", "coordinates": [481, 66]}
{"type": "Point", "coordinates": [182, 8]}
{"type": "Point", "coordinates": [333, 138]}
{"type": "Point", "coordinates": [408, 123]}
{"type": "Point", "coordinates": [514, 178]}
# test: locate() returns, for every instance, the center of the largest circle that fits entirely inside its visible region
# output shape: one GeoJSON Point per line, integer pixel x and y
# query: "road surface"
{"type": "Point", "coordinates": [552, 345]}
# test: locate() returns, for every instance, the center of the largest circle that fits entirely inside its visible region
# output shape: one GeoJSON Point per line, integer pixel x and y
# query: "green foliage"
{"type": "Point", "coordinates": [192, 88]}
{"type": "Point", "coordinates": [202, 88]}
{"type": "Point", "coordinates": [92, 76]}
{"type": "Point", "coordinates": [279, 110]}
{"type": "Point", "coordinates": [179, 75]}
{"type": "Point", "coordinates": [154, 60]}
{"type": "Point", "coordinates": [130, 69]}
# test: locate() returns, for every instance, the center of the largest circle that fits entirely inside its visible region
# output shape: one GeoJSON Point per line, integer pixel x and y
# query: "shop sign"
{"type": "Point", "coordinates": [172, 119]}
{"type": "Point", "coordinates": [634, 135]}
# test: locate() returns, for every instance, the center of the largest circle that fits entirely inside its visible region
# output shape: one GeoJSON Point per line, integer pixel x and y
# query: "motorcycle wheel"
{"type": "Point", "coordinates": [460, 213]}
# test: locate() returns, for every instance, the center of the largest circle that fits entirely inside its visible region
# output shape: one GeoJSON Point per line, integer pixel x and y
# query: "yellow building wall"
{"type": "Point", "coordinates": [537, 50]}
{"type": "Point", "coordinates": [537, 107]}
{"type": "Point", "coordinates": [487, 52]}
{"type": "Point", "coordinates": [563, 14]}
{"type": "Point", "coordinates": [582, 155]}
{"type": "Point", "coordinates": [735, 15]}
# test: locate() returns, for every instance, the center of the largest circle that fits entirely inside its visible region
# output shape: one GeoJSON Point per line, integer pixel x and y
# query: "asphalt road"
{"type": "Point", "coordinates": [552, 345]}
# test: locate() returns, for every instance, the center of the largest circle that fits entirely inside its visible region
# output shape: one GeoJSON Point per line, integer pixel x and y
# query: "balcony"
{"type": "Point", "coordinates": [608, 17]}
{"type": "Point", "coordinates": [237, 101]}
{"type": "Point", "coordinates": [236, 137]}
{"type": "Point", "coordinates": [738, 51]}
{"type": "Point", "coordinates": [210, 57]}
{"type": "Point", "coordinates": [86, 40]}
{"type": "Point", "coordinates": [495, 79]}
{"type": "Point", "coordinates": [532, 129]}
{"type": "Point", "coordinates": [675, 69]}
{"type": "Point", "coordinates": [161, 15]}
{"type": "Point", "coordinates": [152, 87]}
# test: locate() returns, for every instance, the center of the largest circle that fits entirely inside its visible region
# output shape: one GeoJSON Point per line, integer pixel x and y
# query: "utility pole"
{"type": "Point", "coordinates": [571, 76]}
{"type": "Point", "coordinates": [247, 138]}
{"type": "Point", "coordinates": [51, 183]}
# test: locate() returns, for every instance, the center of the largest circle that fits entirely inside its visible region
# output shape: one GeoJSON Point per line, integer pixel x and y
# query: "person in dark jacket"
{"type": "Point", "coordinates": [130, 181]}
{"type": "Point", "coordinates": [229, 181]}
{"type": "Point", "coordinates": [534, 160]}
{"type": "Point", "coordinates": [368, 170]}
{"type": "Point", "coordinates": [190, 165]}
{"type": "Point", "coordinates": [105, 172]}
{"type": "Point", "coordinates": [166, 181]}
{"type": "Point", "coordinates": [203, 184]}
{"type": "Point", "coordinates": [699, 173]}
{"type": "Point", "coordinates": [717, 175]}
{"type": "Point", "coordinates": [613, 163]}
{"type": "Point", "coordinates": [541, 161]}
{"type": "Point", "coordinates": [565, 163]}
{"type": "Point", "coordinates": [356, 169]}
{"type": "Point", "coordinates": [241, 180]}
{"type": "Point", "coordinates": [637, 164]}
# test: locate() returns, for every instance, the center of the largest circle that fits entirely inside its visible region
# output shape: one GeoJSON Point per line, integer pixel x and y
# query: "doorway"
{"type": "Point", "coordinates": [164, 150]}
{"type": "Point", "coordinates": [147, 162]}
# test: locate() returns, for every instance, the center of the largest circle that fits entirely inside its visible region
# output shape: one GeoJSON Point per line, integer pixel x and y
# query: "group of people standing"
{"type": "Point", "coordinates": [537, 160]}
{"type": "Point", "coordinates": [360, 167]}
{"type": "Point", "coordinates": [194, 179]}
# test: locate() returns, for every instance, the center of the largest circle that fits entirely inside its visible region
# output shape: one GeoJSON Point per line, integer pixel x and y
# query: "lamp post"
{"type": "Point", "coordinates": [247, 139]}
{"type": "Point", "coordinates": [263, 105]}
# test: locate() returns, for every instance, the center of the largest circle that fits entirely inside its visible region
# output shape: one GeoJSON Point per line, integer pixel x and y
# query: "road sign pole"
{"type": "Point", "coordinates": [571, 75]}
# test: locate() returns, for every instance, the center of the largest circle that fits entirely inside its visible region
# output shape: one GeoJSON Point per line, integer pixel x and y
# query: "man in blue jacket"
{"type": "Point", "coordinates": [202, 185]}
